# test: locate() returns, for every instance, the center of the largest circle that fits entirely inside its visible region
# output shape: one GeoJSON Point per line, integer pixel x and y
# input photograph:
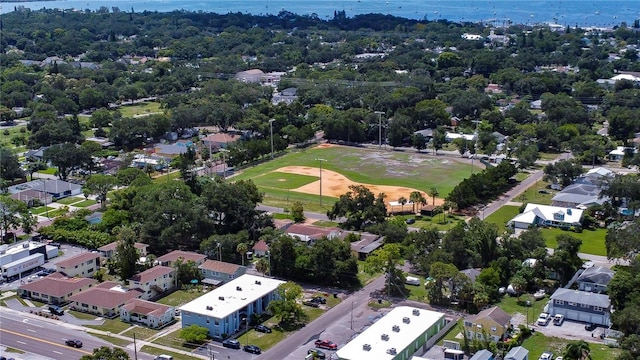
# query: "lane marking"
{"type": "Point", "coordinates": [31, 330]}
{"type": "Point", "coordinates": [57, 352]}
{"type": "Point", "coordinates": [43, 341]}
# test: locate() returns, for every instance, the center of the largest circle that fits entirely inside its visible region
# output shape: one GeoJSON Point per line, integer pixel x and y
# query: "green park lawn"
{"type": "Point", "coordinates": [502, 216]}
{"type": "Point", "coordinates": [393, 168]}
{"type": "Point", "coordinates": [85, 203]}
{"type": "Point", "coordinates": [140, 109]}
{"type": "Point", "coordinates": [592, 240]}
{"type": "Point", "coordinates": [69, 200]}
{"type": "Point", "coordinates": [41, 210]}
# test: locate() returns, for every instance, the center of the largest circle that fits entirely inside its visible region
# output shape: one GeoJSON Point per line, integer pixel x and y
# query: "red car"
{"type": "Point", "coordinates": [326, 344]}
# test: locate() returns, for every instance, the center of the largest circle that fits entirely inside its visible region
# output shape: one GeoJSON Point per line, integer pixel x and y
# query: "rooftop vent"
{"type": "Point", "coordinates": [209, 307]}
{"type": "Point", "coordinates": [416, 312]}
{"type": "Point", "coordinates": [396, 328]}
{"type": "Point", "coordinates": [391, 351]}
{"type": "Point", "coordinates": [258, 282]}
{"type": "Point", "coordinates": [221, 298]}
{"type": "Point", "coordinates": [366, 347]}
{"type": "Point", "coordinates": [406, 320]}
{"type": "Point", "coordinates": [384, 337]}
{"type": "Point", "coordinates": [238, 288]}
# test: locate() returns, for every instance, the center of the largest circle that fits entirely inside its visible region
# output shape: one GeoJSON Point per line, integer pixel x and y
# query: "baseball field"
{"type": "Point", "coordinates": [297, 176]}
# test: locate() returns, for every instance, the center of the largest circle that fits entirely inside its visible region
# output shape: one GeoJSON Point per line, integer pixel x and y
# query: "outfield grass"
{"type": "Point", "coordinates": [406, 169]}
{"type": "Point", "coordinates": [593, 241]}
{"type": "Point", "coordinates": [140, 109]}
{"type": "Point", "coordinates": [502, 216]}
{"type": "Point", "coordinates": [537, 343]}
{"type": "Point", "coordinates": [285, 181]}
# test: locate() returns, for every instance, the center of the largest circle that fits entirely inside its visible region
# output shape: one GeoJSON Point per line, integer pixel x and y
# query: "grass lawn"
{"type": "Point", "coordinates": [142, 333]}
{"type": "Point", "coordinates": [85, 203]}
{"type": "Point", "coordinates": [417, 292]}
{"type": "Point", "coordinates": [285, 199]}
{"type": "Point", "coordinates": [440, 222]}
{"type": "Point", "coordinates": [81, 315]}
{"type": "Point", "coordinates": [155, 351]}
{"type": "Point", "coordinates": [173, 340]}
{"type": "Point", "coordinates": [408, 169]}
{"type": "Point", "coordinates": [58, 212]}
{"type": "Point", "coordinates": [114, 340]}
{"type": "Point", "coordinates": [14, 350]}
{"type": "Point", "coordinates": [511, 305]}
{"type": "Point", "coordinates": [41, 210]}
{"type": "Point", "coordinates": [326, 223]}
{"type": "Point", "coordinates": [69, 200]}
{"type": "Point", "coordinates": [548, 156]}
{"type": "Point", "coordinates": [500, 217]}
{"type": "Point", "coordinates": [180, 297]}
{"type": "Point", "coordinates": [363, 276]}
{"type": "Point", "coordinates": [532, 194]}
{"type": "Point", "coordinates": [537, 343]}
{"type": "Point", "coordinates": [452, 333]}
{"type": "Point", "coordinates": [115, 326]}
{"type": "Point", "coordinates": [49, 171]}
{"type": "Point", "coordinates": [592, 240]}
{"type": "Point", "coordinates": [140, 109]}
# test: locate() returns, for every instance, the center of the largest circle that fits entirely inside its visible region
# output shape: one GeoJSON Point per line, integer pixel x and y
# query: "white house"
{"type": "Point", "coordinates": [545, 215]}
{"type": "Point", "coordinates": [450, 136]}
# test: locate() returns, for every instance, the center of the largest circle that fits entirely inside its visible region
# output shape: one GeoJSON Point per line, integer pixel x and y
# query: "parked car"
{"type": "Point", "coordinates": [310, 303]}
{"type": "Point", "coordinates": [558, 319]}
{"type": "Point", "coordinates": [252, 349]}
{"type": "Point", "coordinates": [410, 221]}
{"type": "Point", "coordinates": [317, 353]}
{"type": "Point", "coordinates": [546, 356]}
{"type": "Point", "coordinates": [590, 327]}
{"type": "Point", "coordinates": [231, 343]}
{"type": "Point", "coordinates": [326, 344]}
{"type": "Point", "coordinates": [319, 300]}
{"type": "Point", "coordinates": [263, 329]}
{"type": "Point", "coordinates": [543, 319]}
{"type": "Point", "coordinates": [73, 343]}
{"type": "Point", "coordinates": [540, 294]}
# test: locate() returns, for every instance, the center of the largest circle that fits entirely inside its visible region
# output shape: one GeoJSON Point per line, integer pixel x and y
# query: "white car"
{"type": "Point", "coordinates": [546, 356]}
{"type": "Point", "coordinates": [543, 319]}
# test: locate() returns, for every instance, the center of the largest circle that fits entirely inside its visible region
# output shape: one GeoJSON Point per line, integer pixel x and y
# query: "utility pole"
{"type": "Point", "coordinates": [271, 127]}
{"type": "Point", "coordinates": [135, 347]}
{"type": "Point", "coordinates": [379, 128]}
{"type": "Point", "coordinates": [352, 315]}
{"type": "Point", "coordinates": [321, 160]}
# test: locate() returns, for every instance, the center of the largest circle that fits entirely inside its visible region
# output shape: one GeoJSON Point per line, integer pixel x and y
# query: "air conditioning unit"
{"type": "Point", "coordinates": [406, 320]}
{"type": "Point", "coordinates": [396, 328]}
{"type": "Point", "coordinates": [209, 307]}
{"type": "Point", "coordinates": [366, 347]}
{"type": "Point", "coordinates": [391, 351]}
{"type": "Point", "coordinates": [258, 282]}
{"type": "Point", "coordinates": [416, 312]}
{"type": "Point", "coordinates": [221, 298]}
{"type": "Point", "coordinates": [238, 288]}
{"type": "Point", "coordinates": [384, 337]}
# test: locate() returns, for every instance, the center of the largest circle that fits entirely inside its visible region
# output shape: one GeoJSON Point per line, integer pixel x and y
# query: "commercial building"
{"type": "Point", "coordinates": [396, 336]}
{"type": "Point", "coordinates": [225, 309]}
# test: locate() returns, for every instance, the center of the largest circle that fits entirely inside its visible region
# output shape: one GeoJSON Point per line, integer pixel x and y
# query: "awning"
{"type": "Point", "coordinates": [211, 282]}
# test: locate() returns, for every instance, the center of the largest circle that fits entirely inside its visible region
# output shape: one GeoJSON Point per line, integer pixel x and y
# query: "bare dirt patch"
{"type": "Point", "coordinates": [335, 184]}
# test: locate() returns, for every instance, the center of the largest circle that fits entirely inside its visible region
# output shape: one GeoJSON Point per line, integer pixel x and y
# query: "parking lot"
{"type": "Point", "coordinates": [571, 330]}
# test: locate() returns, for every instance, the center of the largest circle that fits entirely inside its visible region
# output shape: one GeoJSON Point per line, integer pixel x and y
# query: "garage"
{"type": "Point", "coordinates": [583, 306]}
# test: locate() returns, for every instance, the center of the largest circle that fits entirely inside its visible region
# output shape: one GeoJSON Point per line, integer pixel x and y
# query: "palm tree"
{"type": "Point", "coordinates": [262, 265]}
{"type": "Point", "coordinates": [242, 249]}
{"type": "Point", "coordinates": [577, 350]}
{"type": "Point", "coordinates": [433, 192]}
{"type": "Point", "coordinates": [402, 201]}
{"type": "Point", "coordinates": [416, 197]}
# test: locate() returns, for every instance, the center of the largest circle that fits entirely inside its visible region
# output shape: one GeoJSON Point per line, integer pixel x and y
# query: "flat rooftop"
{"type": "Point", "coordinates": [225, 300]}
{"type": "Point", "coordinates": [418, 324]}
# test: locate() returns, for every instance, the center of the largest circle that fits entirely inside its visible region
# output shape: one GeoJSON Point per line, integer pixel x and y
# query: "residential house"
{"type": "Point", "coordinates": [260, 249]}
{"type": "Point", "coordinates": [171, 150]}
{"type": "Point", "coordinates": [55, 289]}
{"type": "Point", "coordinates": [489, 324]}
{"type": "Point", "coordinates": [517, 353]}
{"type": "Point", "coordinates": [55, 189]}
{"type": "Point", "coordinates": [581, 306]}
{"type": "Point", "coordinates": [449, 137]}
{"type": "Point", "coordinates": [185, 256]}
{"type": "Point", "coordinates": [309, 233]}
{"type": "Point", "coordinates": [483, 354]}
{"type": "Point", "coordinates": [218, 272]}
{"type": "Point", "coordinates": [154, 281]}
{"type": "Point", "coordinates": [82, 265]}
{"type": "Point", "coordinates": [367, 244]}
{"type": "Point", "coordinates": [579, 196]}
{"type": "Point", "coordinates": [218, 141]}
{"type": "Point", "coordinates": [108, 251]}
{"type": "Point", "coordinates": [595, 279]}
{"type": "Point", "coordinates": [472, 274]}
{"type": "Point", "coordinates": [619, 152]}
{"type": "Point", "coordinates": [250, 76]}
{"type": "Point", "coordinates": [32, 197]}
{"type": "Point", "coordinates": [147, 313]}
{"type": "Point", "coordinates": [104, 299]}
{"type": "Point", "coordinates": [545, 215]}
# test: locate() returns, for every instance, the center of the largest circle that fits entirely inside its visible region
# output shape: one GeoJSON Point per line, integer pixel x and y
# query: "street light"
{"type": "Point", "coordinates": [271, 127]}
{"type": "Point", "coordinates": [321, 160]}
{"type": "Point", "coordinates": [224, 163]}
{"type": "Point", "coordinates": [379, 128]}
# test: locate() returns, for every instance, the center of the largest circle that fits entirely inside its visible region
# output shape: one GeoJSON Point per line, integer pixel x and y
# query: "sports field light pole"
{"type": "Point", "coordinates": [475, 145]}
{"type": "Point", "coordinates": [271, 127]}
{"type": "Point", "coordinates": [379, 128]}
{"type": "Point", "coordinates": [321, 160]}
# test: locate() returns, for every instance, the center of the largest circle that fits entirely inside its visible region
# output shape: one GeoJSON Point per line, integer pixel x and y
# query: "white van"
{"type": "Point", "coordinates": [412, 281]}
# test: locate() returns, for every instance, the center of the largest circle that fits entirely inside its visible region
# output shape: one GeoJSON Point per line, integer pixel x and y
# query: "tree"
{"type": "Point", "coordinates": [242, 250]}
{"type": "Point", "coordinates": [359, 206]}
{"type": "Point", "coordinates": [419, 142]}
{"type": "Point", "coordinates": [439, 139]}
{"type": "Point", "coordinates": [194, 334]}
{"type": "Point", "coordinates": [433, 192]}
{"type": "Point", "coordinates": [402, 200]}
{"type": "Point", "coordinates": [107, 353]}
{"type": "Point", "coordinates": [416, 197]}
{"type": "Point", "coordinates": [9, 165]}
{"type": "Point", "coordinates": [297, 212]}
{"type": "Point", "coordinates": [14, 214]}
{"type": "Point", "coordinates": [100, 185]}
{"type": "Point", "coordinates": [387, 259]}
{"type": "Point", "coordinates": [563, 172]}
{"type": "Point", "coordinates": [287, 306]}
{"type": "Point", "coordinates": [128, 175]}
{"type": "Point", "coordinates": [187, 271]}
{"type": "Point", "coordinates": [577, 350]}
{"type": "Point", "coordinates": [262, 265]}
{"type": "Point", "coordinates": [67, 157]}
{"type": "Point", "coordinates": [126, 255]}
{"type": "Point", "coordinates": [441, 273]}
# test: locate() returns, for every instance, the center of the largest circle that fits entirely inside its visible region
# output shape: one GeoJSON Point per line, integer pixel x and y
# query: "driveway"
{"type": "Point", "coordinates": [571, 330]}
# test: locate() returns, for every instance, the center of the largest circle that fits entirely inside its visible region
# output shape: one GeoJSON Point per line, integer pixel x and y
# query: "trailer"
{"type": "Point", "coordinates": [17, 267]}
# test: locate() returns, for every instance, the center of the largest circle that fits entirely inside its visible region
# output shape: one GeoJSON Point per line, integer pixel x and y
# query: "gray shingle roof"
{"type": "Point", "coordinates": [597, 275]}
{"type": "Point", "coordinates": [483, 354]}
{"type": "Point", "coordinates": [582, 297]}
{"type": "Point", "coordinates": [517, 353]}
